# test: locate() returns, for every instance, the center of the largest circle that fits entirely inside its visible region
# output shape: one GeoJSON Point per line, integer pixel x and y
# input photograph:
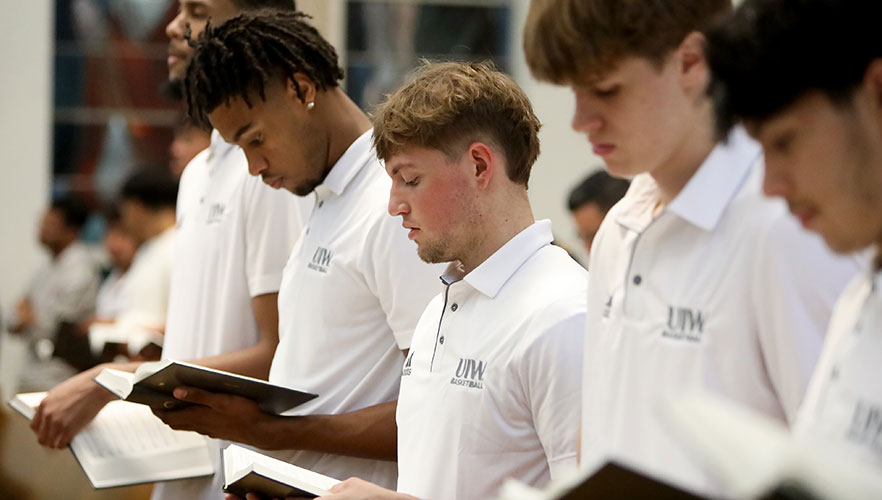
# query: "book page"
{"type": "Point", "coordinates": [239, 460]}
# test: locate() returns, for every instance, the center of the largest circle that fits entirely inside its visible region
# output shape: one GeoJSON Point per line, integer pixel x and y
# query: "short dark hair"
{"type": "Point", "coordinates": [772, 52]}
{"type": "Point", "coordinates": [599, 188]}
{"type": "Point", "coordinates": [154, 187]}
{"type": "Point", "coordinates": [74, 211]}
{"type": "Point", "coordinates": [239, 57]}
{"type": "Point", "coordinates": [265, 4]}
{"type": "Point", "coordinates": [565, 40]}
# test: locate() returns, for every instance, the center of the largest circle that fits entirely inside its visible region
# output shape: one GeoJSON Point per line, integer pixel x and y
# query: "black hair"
{"type": "Point", "coordinates": [772, 52]}
{"type": "Point", "coordinates": [74, 211]}
{"type": "Point", "coordinates": [265, 4]}
{"type": "Point", "coordinates": [242, 55]}
{"type": "Point", "coordinates": [599, 188]}
{"type": "Point", "coordinates": [154, 187]}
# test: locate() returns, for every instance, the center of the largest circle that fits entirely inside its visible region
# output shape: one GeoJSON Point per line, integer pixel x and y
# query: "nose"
{"type": "Point", "coordinates": [397, 204]}
{"type": "Point", "coordinates": [586, 119]}
{"type": "Point", "coordinates": [257, 164]}
{"type": "Point", "coordinates": [175, 29]}
{"type": "Point", "coordinates": [775, 180]}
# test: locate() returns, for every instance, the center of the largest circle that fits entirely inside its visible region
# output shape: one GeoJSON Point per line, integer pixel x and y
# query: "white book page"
{"type": "Point", "coordinates": [127, 444]}
{"type": "Point", "coordinates": [238, 461]}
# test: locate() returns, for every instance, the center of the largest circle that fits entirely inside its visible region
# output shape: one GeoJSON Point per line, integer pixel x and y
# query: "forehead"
{"type": "Point", "coordinates": [409, 157]}
{"type": "Point", "coordinates": [810, 108]}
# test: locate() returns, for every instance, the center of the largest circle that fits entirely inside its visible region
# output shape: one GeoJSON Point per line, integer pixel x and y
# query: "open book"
{"type": "Point", "coordinates": [248, 471]}
{"type": "Point", "coordinates": [152, 384]}
{"type": "Point", "coordinates": [757, 457]}
{"type": "Point", "coordinates": [126, 444]}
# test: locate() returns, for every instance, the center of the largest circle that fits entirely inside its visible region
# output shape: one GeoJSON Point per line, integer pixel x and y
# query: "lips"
{"type": "Point", "coordinates": [273, 181]}
{"type": "Point", "coordinates": [411, 234]}
{"type": "Point", "coordinates": [805, 214]}
{"type": "Point", "coordinates": [602, 149]}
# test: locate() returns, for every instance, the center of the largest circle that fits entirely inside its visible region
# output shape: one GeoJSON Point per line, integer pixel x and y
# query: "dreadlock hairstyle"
{"type": "Point", "coordinates": [238, 58]}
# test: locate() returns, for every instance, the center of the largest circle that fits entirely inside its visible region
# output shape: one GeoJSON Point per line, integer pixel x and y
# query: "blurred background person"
{"type": "Point", "coordinates": [62, 292]}
{"type": "Point", "coordinates": [591, 200]}
{"type": "Point", "coordinates": [120, 248]}
{"type": "Point", "coordinates": [187, 142]}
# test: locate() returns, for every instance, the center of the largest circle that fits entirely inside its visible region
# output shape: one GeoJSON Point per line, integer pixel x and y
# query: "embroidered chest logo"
{"type": "Point", "coordinates": [685, 324]}
{"type": "Point", "coordinates": [470, 373]}
{"type": "Point", "coordinates": [407, 369]}
{"type": "Point", "coordinates": [215, 213]}
{"type": "Point", "coordinates": [866, 426]}
{"type": "Point", "coordinates": [607, 306]}
{"type": "Point", "coordinates": [321, 259]}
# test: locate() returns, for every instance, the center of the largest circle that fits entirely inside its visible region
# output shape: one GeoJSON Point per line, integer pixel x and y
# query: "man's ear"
{"type": "Point", "coordinates": [484, 162]}
{"type": "Point", "coordinates": [306, 86]}
{"type": "Point", "coordinates": [873, 83]}
{"type": "Point", "coordinates": [691, 61]}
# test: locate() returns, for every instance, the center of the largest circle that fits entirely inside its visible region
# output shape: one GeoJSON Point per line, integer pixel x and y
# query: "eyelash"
{"type": "Point", "coordinates": [413, 182]}
{"type": "Point", "coordinates": [608, 92]}
{"type": "Point", "coordinates": [257, 141]}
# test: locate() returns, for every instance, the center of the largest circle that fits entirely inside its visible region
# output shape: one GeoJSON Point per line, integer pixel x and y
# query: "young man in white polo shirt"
{"type": "Point", "coordinates": [821, 128]}
{"type": "Point", "coordinates": [233, 237]}
{"type": "Point", "coordinates": [353, 288]}
{"type": "Point", "coordinates": [490, 389]}
{"type": "Point", "coordinates": [698, 281]}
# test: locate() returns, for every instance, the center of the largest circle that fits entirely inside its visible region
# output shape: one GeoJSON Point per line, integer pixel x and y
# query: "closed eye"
{"type": "Point", "coordinates": [257, 140]}
{"type": "Point", "coordinates": [412, 182]}
{"type": "Point", "coordinates": [607, 91]}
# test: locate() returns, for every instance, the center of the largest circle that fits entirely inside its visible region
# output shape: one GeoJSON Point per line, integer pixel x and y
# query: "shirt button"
{"type": "Point", "coordinates": [638, 279]}
{"type": "Point", "coordinates": [834, 373]}
{"type": "Point", "coordinates": [321, 203]}
{"type": "Point", "coordinates": [441, 340]}
{"type": "Point", "coordinates": [307, 230]}
{"type": "Point", "coordinates": [454, 307]}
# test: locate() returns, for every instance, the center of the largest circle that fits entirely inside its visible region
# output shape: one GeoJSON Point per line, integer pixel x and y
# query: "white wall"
{"type": "Point", "coordinates": [566, 156]}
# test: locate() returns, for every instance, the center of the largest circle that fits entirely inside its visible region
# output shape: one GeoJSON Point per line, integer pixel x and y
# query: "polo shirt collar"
{"type": "Point", "coordinates": [707, 194]}
{"type": "Point", "coordinates": [492, 274]}
{"type": "Point", "coordinates": [353, 160]}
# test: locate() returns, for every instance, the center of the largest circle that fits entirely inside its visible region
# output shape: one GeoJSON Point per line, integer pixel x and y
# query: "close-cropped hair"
{"type": "Point", "coordinates": [238, 58]}
{"type": "Point", "coordinates": [447, 106]}
{"type": "Point", "coordinates": [567, 40]}
{"type": "Point", "coordinates": [73, 210]}
{"type": "Point", "coordinates": [265, 4]}
{"type": "Point", "coordinates": [772, 52]}
{"type": "Point", "coordinates": [153, 187]}
{"type": "Point", "coordinates": [599, 188]}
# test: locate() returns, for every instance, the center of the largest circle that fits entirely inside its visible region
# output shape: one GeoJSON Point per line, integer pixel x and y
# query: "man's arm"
{"type": "Point", "coordinates": [71, 405]}
{"type": "Point", "coordinates": [367, 433]}
{"type": "Point", "coordinates": [253, 361]}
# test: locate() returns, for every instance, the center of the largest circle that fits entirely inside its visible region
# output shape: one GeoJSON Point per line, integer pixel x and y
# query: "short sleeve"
{"type": "Point", "coordinates": [796, 284]}
{"type": "Point", "coordinates": [550, 373]}
{"type": "Point", "coordinates": [273, 220]}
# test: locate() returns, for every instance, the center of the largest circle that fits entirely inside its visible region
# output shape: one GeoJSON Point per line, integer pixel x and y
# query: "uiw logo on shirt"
{"type": "Point", "coordinates": [215, 213]}
{"type": "Point", "coordinates": [685, 324]}
{"type": "Point", "coordinates": [407, 370]}
{"type": "Point", "coordinates": [321, 259]}
{"type": "Point", "coordinates": [470, 373]}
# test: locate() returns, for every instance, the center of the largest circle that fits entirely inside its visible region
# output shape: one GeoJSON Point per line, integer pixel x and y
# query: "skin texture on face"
{"type": "Point", "coordinates": [195, 14]}
{"type": "Point", "coordinates": [588, 218]}
{"type": "Point", "coordinates": [280, 136]}
{"type": "Point", "coordinates": [135, 219]}
{"type": "Point", "coordinates": [826, 161]}
{"type": "Point", "coordinates": [641, 117]}
{"type": "Point", "coordinates": [437, 202]}
{"type": "Point", "coordinates": [119, 246]}
{"type": "Point", "coordinates": [53, 233]}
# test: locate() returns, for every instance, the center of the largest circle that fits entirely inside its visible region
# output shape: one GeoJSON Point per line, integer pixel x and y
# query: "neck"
{"type": "Point", "coordinates": [695, 146]}
{"type": "Point", "coordinates": [346, 121]}
{"type": "Point", "coordinates": [56, 250]}
{"type": "Point", "coordinates": [496, 226]}
{"type": "Point", "coordinates": [156, 225]}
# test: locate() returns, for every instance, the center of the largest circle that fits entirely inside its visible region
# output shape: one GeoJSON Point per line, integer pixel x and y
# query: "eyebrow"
{"type": "Point", "coordinates": [397, 168]}
{"type": "Point", "coordinates": [242, 130]}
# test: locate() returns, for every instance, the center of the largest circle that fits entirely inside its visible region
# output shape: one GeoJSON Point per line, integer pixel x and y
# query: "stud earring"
{"type": "Point", "coordinates": [310, 105]}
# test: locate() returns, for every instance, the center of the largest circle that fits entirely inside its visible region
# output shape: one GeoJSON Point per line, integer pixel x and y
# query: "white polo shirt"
{"type": "Point", "coordinates": [147, 284]}
{"type": "Point", "coordinates": [352, 293]}
{"type": "Point", "coordinates": [490, 388]}
{"type": "Point", "coordinates": [844, 402]}
{"type": "Point", "coordinates": [234, 235]}
{"type": "Point", "coordinates": [721, 292]}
